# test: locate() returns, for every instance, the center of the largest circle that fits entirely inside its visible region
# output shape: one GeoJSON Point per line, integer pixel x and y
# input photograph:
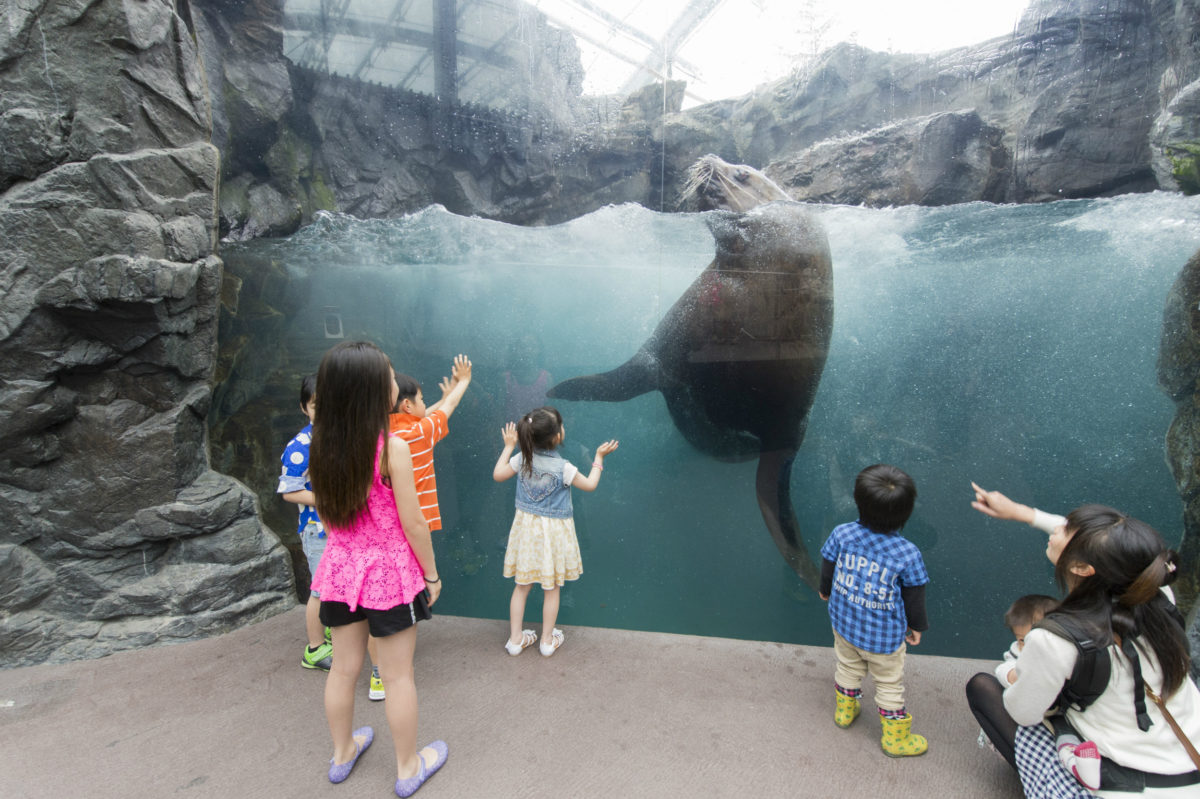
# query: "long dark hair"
{"type": "Point", "coordinates": [537, 430]}
{"type": "Point", "coordinates": [1131, 564]}
{"type": "Point", "coordinates": [354, 391]}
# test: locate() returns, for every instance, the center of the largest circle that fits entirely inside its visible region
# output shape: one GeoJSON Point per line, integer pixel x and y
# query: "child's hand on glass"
{"type": "Point", "coordinates": [509, 434]}
{"type": "Point", "coordinates": [461, 369]}
{"type": "Point", "coordinates": [607, 448]}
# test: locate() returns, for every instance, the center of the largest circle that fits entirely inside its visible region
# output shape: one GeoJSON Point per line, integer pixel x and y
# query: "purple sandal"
{"type": "Point", "coordinates": [407, 787]}
{"type": "Point", "coordinates": [338, 772]}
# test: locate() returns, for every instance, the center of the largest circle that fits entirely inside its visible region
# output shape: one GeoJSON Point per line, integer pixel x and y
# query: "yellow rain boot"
{"type": "Point", "coordinates": [848, 708]}
{"type": "Point", "coordinates": [898, 739]}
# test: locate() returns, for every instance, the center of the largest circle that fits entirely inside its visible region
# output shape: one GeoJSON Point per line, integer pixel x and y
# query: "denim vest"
{"type": "Point", "coordinates": [543, 493]}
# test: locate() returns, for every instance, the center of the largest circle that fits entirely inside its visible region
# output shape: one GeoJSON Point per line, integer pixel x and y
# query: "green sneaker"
{"type": "Point", "coordinates": [375, 693]}
{"type": "Point", "coordinates": [319, 658]}
{"type": "Point", "coordinates": [328, 636]}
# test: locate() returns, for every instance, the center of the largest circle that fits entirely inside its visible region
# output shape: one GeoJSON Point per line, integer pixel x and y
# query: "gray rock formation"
{"type": "Point", "coordinates": [119, 533]}
{"type": "Point", "coordinates": [1179, 376]}
{"type": "Point", "coordinates": [1179, 123]}
{"type": "Point", "coordinates": [1074, 115]}
{"type": "Point", "coordinates": [936, 160]}
{"type": "Point", "coordinates": [1179, 353]}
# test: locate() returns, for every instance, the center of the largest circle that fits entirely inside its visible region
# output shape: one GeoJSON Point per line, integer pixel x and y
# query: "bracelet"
{"type": "Point", "coordinates": [438, 580]}
{"type": "Point", "coordinates": [598, 465]}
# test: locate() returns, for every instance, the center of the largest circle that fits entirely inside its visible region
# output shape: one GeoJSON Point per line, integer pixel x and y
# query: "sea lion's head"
{"type": "Point", "coordinates": [782, 235]}
{"type": "Point", "coordinates": [716, 185]}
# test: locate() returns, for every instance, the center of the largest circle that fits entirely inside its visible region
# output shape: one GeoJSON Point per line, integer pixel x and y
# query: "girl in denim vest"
{"type": "Point", "coordinates": [542, 547]}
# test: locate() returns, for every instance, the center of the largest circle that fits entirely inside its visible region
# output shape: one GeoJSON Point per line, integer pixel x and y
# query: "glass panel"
{"type": "Point", "coordinates": [1014, 345]}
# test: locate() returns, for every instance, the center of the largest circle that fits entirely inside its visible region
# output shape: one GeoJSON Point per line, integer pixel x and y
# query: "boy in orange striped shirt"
{"type": "Point", "coordinates": [424, 427]}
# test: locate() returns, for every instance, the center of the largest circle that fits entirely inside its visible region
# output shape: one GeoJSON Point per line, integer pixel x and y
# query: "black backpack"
{"type": "Point", "coordinates": [1089, 678]}
{"type": "Point", "coordinates": [1093, 666]}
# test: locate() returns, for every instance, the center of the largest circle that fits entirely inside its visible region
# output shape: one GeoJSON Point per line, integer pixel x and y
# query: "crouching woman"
{"type": "Point", "coordinates": [1115, 570]}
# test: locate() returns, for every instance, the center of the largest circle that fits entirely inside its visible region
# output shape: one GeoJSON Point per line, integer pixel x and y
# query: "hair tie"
{"type": "Point", "coordinates": [1146, 585]}
{"type": "Point", "coordinates": [529, 419]}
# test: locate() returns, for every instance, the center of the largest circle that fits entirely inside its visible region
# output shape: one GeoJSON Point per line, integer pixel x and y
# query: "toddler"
{"type": "Point", "coordinates": [874, 580]}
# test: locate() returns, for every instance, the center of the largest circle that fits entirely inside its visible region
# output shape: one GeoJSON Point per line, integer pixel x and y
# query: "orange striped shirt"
{"type": "Point", "coordinates": [421, 434]}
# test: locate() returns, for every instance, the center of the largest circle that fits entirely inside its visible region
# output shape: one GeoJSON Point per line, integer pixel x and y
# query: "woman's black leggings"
{"type": "Point", "coordinates": [985, 696]}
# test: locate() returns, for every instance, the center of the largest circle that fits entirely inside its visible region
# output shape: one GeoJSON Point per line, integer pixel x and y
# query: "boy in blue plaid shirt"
{"type": "Point", "coordinates": [874, 580]}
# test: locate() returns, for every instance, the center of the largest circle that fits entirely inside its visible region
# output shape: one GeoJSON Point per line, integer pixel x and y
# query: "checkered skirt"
{"type": "Point", "coordinates": [1043, 775]}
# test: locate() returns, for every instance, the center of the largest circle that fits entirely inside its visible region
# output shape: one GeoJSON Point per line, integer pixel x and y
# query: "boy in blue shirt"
{"type": "Point", "coordinates": [874, 580]}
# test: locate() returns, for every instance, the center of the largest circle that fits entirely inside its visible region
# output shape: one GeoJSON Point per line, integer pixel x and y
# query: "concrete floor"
{"type": "Point", "coordinates": [613, 713]}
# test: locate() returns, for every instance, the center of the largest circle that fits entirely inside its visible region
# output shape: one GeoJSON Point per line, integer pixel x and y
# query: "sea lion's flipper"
{"type": "Point", "coordinates": [633, 378]}
{"type": "Point", "coordinates": [773, 485]}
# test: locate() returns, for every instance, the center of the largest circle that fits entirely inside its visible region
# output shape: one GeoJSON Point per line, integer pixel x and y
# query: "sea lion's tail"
{"type": "Point", "coordinates": [773, 486]}
{"type": "Point", "coordinates": [635, 377]}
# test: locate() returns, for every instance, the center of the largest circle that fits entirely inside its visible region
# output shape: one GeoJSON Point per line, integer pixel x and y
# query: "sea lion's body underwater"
{"type": "Point", "coordinates": [739, 356]}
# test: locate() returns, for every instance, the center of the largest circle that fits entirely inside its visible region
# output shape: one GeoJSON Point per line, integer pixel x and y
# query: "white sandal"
{"type": "Point", "coordinates": [556, 639]}
{"type": "Point", "coordinates": [528, 639]}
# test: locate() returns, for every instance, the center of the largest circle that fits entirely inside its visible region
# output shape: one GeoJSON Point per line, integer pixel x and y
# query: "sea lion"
{"type": "Point", "coordinates": [738, 357]}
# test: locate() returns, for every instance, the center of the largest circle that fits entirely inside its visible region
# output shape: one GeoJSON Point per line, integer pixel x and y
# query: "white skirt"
{"type": "Point", "coordinates": [542, 550]}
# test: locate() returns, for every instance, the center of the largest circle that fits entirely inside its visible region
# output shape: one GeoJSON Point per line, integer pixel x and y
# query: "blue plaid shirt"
{"type": "Point", "coordinates": [865, 605]}
{"type": "Point", "coordinates": [295, 476]}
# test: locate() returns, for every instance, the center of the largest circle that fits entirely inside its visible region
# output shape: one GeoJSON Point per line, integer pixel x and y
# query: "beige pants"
{"type": "Point", "coordinates": [886, 670]}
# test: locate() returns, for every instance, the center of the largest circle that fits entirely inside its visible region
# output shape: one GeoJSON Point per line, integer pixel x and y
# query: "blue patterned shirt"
{"type": "Point", "coordinates": [295, 476]}
{"type": "Point", "coordinates": [865, 605]}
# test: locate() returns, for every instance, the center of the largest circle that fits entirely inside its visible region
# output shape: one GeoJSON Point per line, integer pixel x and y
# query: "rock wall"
{"type": "Point", "coordinates": [1073, 93]}
{"type": "Point", "coordinates": [935, 160]}
{"type": "Point", "coordinates": [1178, 119]}
{"type": "Point", "coordinates": [119, 534]}
{"type": "Point", "coordinates": [1179, 376]}
{"type": "Point", "coordinates": [1179, 355]}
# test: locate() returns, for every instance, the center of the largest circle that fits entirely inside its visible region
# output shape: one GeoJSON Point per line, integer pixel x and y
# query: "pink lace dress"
{"type": "Point", "coordinates": [370, 563]}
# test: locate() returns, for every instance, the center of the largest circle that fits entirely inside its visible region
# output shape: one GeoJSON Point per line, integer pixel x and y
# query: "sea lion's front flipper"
{"type": "Point", "coordinates": [773, 485]}
{"type": "Point", "coordinates": [633, 378]}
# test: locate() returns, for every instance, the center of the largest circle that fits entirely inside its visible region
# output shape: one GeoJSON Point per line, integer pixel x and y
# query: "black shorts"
{"type": "Point", "coordinates": [380, 623]}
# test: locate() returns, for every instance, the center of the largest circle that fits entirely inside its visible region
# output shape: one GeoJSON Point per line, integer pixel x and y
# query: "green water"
{"type": "Point", "coordinates": [1012, 345]}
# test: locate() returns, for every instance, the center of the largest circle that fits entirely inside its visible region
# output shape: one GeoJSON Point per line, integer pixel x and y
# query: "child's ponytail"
{"type": "Point", "coordinates": [537, 429]}
{"type": "Point", "coordinates": [525, 441]}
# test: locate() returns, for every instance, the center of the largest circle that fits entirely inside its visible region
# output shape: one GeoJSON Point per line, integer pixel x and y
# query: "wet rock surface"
{"type": "Point", "coordinates": [119, 534]}
{"type": "Point", "coordinates": [1179, 377]}
{"type": "Point", "coordinates": [936, 160]}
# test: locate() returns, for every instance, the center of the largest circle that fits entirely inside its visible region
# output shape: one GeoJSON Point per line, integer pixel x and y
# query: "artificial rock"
{"type": "Point", "coordinates": [120, 534]}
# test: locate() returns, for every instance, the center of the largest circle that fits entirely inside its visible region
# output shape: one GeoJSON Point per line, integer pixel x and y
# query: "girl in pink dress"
{"type": "Point", "coordinates": [378, 573]}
